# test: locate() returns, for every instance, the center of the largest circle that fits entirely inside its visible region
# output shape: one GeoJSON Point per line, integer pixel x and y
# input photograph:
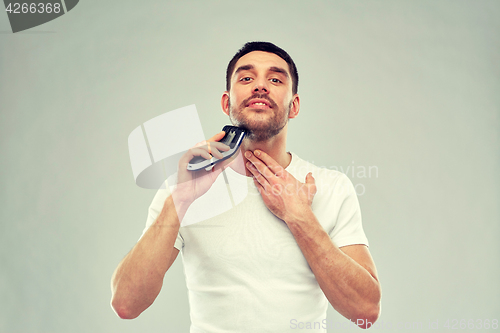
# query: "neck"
{"type": "Point", "coordinates": [274, 147]}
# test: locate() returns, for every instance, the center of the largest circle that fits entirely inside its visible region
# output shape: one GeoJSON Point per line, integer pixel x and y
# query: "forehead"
{"type": "Point", "coordinates": [262, 60]}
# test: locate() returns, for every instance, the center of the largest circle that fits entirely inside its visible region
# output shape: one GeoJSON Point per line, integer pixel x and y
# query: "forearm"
{"type": "Point", "coordinates": [139, 277]}
{"type": "Point", "coordinates": [351, 289]}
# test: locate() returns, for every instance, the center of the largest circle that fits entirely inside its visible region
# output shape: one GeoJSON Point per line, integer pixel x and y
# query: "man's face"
{"type": "Point", "coordinates": [261, 98]}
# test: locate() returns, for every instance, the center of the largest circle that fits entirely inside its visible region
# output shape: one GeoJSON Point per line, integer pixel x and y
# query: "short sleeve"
{"type": "Point", "coordinates": [348, 229]}
{"type": "Point", "coordinates": [155, 209]}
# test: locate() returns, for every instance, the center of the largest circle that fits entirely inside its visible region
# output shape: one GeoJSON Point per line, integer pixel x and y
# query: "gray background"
{"type": "Point", "coordinates": [411, 87]}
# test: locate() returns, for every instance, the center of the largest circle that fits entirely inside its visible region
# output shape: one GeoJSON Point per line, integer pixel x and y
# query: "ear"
{"type": "Point", "coordinates": [294, 110]}
{"type": "Point", "coordinates": [224, 102]}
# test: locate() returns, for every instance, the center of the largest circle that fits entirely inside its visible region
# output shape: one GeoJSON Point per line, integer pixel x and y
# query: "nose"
{"type": "Point", "coordinates": [261, 86]}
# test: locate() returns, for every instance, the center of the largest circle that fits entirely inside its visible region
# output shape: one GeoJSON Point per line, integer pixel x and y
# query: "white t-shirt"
{"type": "Point", "coordinates": [244, 270]}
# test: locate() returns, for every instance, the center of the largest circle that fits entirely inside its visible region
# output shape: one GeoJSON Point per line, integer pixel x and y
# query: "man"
{"type": "Point", "coordinates": [268, 263]}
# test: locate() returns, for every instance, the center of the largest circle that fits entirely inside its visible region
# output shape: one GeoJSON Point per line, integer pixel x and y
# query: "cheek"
{"type": "Point", "coordinates": [232, 99]}
{"type": "Point", "coordinates": [284, 96]}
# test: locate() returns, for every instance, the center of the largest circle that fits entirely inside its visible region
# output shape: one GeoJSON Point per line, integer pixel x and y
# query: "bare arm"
{"type": "Point", "coordinates": [138, 279]}
{"type": "Point", "coordinates": [347, 276]}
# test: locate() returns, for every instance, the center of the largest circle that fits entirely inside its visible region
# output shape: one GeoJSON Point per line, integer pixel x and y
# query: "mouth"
{"type": "Point", "coordinates": [260, 104]}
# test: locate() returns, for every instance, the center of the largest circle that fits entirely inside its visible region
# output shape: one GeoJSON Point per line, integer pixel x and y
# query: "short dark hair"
{"type": "Point", "coordinates": [266, 47]}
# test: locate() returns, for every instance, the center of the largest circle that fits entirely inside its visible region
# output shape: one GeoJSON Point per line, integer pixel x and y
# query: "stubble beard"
{"type": "Point", "coordinates": [259, 130]}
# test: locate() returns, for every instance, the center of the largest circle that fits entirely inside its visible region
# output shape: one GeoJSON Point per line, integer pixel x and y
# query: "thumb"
{"type": "Point", "coordinates": [310, 179]}
{"type": "Point", "coordinates": [218, 136]}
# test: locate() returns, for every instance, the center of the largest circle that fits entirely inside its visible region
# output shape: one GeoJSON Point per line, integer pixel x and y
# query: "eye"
{"type": "Point", "coordinates": [274, 80]}
{"type": "Point", "coordinates": [245, 79]}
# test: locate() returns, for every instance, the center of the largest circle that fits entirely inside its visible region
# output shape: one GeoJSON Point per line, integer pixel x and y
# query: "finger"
{"type": "Point", "coordinates": [214, 151]}
{"type": "Point", "coordinates": [213, 148]}
{"type": "Point", "coordinates": [213, 143]}
{"type": "Point", "coordinates": [269, 162]}
{"type": "Point", "coordinates": [310, 179]}
{"type": "Point", "coordinates": [218, 145]}
{"type": "Point", "coordinates": [209, 149]}
{"type": "Point", "coordinates": [258, 176]}
{"type": "Point", "coordinates": [236, 160]}
{"type": "Point", "coordinates": [261, 167]}
{"type": "Point", "coordinates": [199, 151]}
{"type": "Point", "coordinates": [218, 136]}
{"type": "Point", "coordinates": [311, 183]}
{"type": "Point", "coordinates": [259, 187]}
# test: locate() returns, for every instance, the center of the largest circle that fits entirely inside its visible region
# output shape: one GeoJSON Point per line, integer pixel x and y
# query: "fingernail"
{"type": "Point", "coordinates": [248, 154]}
{"type": "Point", "coordinates": [257, 152]}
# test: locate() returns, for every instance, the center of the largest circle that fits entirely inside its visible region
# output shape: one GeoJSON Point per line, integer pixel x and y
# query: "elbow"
{"type": "Point", "coordinates": [122, 303]}
{"type": "Point", "coordinates": [368, 317]}
{"type": "Point", "coordinates": [370, 312]}
{"type": "Point", "coordinates": [122, 310]}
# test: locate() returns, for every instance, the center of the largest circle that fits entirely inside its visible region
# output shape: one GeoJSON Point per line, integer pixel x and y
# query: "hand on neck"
{"type": "Point", "coordinates": [274, 147]}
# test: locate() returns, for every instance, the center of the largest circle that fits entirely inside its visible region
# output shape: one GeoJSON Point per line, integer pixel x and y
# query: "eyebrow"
{"type": "Point", "coordinates": [243, 68]}
{"type": "Point", "coordinates": [272, 69]}
{"type": "Point", "coordinates": [279, 70]}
